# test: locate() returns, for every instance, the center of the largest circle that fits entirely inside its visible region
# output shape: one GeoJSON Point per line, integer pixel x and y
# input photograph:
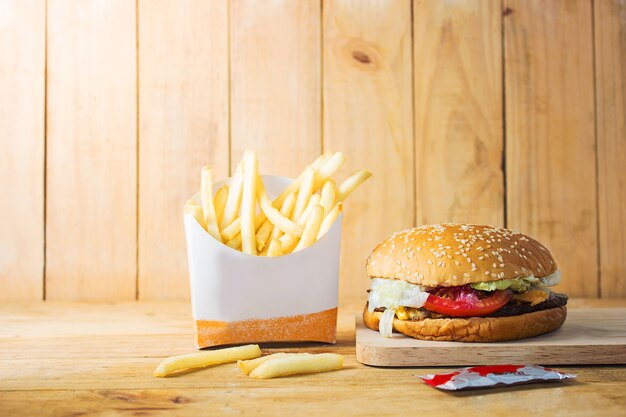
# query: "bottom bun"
{"type": "Point", "coordinates": [476, 329]}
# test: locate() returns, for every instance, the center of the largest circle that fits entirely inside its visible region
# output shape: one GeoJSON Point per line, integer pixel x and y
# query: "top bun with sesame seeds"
{"type": "Point", "coordinates": [457, 254]}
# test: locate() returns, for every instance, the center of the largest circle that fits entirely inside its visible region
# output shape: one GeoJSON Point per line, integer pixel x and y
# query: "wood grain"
{"type": "Point", "coordinates": [550, 139]}
{"type": "Point", "coordinates": [610, 53]}
{"type": "Point", "coordinates": [91, 151]}
{"type": "Point", "coordinates": [22, 83]}
{"type": "Point", "coordinates": [275, 83]}
{"type": "Point", "coordinates": [183, 125]}
{"type": "Point", "coordinates": [50, 376]}
{"type": "Point", "coordinates": [458, 112]}
{"type": "Point", "coordinates": [589, 336]}
{"type": "Point", "coordinates": [368, 116]}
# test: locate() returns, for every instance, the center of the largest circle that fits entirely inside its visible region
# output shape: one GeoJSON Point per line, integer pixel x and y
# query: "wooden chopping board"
{"type": "Point", "coordinates": [590, 336]}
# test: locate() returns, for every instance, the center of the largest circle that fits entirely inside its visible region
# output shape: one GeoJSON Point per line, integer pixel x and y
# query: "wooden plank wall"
{"type": "Point", "coordinates": [509, 112]}
{"type": "Point", "coordinates": [22, 143]}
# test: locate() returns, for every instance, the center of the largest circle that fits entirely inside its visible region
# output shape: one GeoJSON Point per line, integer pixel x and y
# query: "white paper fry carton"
{"type": "Point", "coordinates": [240, 298]}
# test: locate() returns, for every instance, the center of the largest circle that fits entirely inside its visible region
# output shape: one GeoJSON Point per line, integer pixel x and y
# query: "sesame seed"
{"type": "Point", "coordinates": [486, 272]}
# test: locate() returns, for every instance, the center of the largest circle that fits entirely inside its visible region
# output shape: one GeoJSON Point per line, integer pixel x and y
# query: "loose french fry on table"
{"type": "Point", "coordinates": [275, 248]}
{"type": "Point", "coordinates": [297, 364]}
{"type": "Point", "coordinates": [219, 201]}
{"type": "Point", "coordinates": [312, 227]}
{"type": "Point", "coordinates": [233, 202]}
{"type": "Point", "coordinates": [206, 196]}
{"type": "Point", "coordinates": [328, 196]}
{"type": "Point", "coordinates": [305, 191]}
{"type": "Point", "coordinates": [248, 203]}
{"type": "Point", "coordinates": [203, 359]}
{"type": "Point", "coordinates": [193, 208]}
{"type": "Point", "coordinates": [351, 183]}
{"type": "Point", "coordinates": [329, 219]}
{"type": "Point", "coordinates": [248, 366]}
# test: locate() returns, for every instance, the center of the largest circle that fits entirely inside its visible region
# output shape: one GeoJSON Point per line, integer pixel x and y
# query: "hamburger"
{"type": "Point", "coordinates": [461, 282]}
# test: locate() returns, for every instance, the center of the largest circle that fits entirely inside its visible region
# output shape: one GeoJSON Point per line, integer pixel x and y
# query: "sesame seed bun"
{"type": "Point", "coordinates": [476, 329]}
{"type": "Point", "coordinates": [458, 254]}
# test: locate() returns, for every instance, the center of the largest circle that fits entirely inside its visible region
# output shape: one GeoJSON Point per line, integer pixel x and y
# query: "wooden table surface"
{"type": "Point", "coordinates": [60, 359]}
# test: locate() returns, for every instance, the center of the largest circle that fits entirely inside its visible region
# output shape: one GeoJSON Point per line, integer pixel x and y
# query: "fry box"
{"type": "Point", "coordinates": [239, 298]}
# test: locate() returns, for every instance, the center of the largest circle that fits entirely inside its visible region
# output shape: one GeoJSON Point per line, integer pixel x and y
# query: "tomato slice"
{"type": "Point", "coordinates": [468, 306]}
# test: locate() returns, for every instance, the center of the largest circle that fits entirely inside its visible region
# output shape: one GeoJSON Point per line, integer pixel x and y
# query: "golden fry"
{"type": "Point", "coordinates": [193, 208]}
{"type": "Point", "coordinates": [263, 234]}
{"type": "Point", "coordinates": [295, 185]}
{"type": "Point", "coordinates": [305, 191]}
{"type": "Point", "coordinates": [219, 202]}
{"type": "Point", "coordinates": [232, 230]}
{"type": "Point", "coordinates": [206, 196]}
{"type": "Point", "coordinates": [273, 214]}
{"type": "Point", "coordinates": [328, 196]}
{"type": "Point", "coordinates": [248, 203]}
{"type": "Point", "coordinates": [330, 167]}
{"type": "Point", "coordinates": [288, 241]}
{"type": "Point", "coordinates": [312, 227]}
{"type": "Point", "coordinates": [275, 248]}
{"type": "Point", "coordinates": [206, 358]}
{"type": "Point", "coordinates": [298, 364]}
{"type": "Point", "coordinates": [233, 202]}
{"type": "Point", "coordinates": [248, 366]}
{"type": "Point", "coordinates": [285, 210]}
{"type": "Point", "coordinates": [235, 242]}
{"type": "Point", "coordinates": [329, 219]}
{"type": "Point", "coordinates": [351, 183]}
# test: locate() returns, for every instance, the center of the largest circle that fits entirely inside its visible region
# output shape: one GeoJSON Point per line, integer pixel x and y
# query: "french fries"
{"type": "Point", "coordinates": [304, 194]}
{"type": "Point", "coordinates": [206, 196]}
{"type": "Point", "coordinates": [275, 248]}
{"type": "Point", "coordinates": [288, 242]}
{"type": "Point", "coordinates": [203, 359]}
{"type": "Point", "coordinates": [193, 208]}
{"type": "Point", "coordinates": [233, 202]}
{"type": "Point", "coordinates": [285, 210]}
{"type": "Point", "coordinates": [312, 227]}
{"type": "Point", "coordinates": [352, 183]}
{"type": "Point", "coordinates": [235, 242]}
{"type": "Point", "coordinates": [328, 196]}
{"type": "Point", "coordinates": [297, 364]}
{"type": "Point", "coordinates": [219, 201]}
{"type": "Point", "coordinates": [232, 230]}
{"type": "Point", "coordinates": [248, 203]}
{"type": "Point", "coordinates": [273, 214]}
{"type": "Point", "coordinates": [329, 219]}
{"type": "Point", "coordinates": [328, 169]}
{"type": "Point", "coordinates": [249, 365]}
{"type": "Point", "coordinates": [243, 217]}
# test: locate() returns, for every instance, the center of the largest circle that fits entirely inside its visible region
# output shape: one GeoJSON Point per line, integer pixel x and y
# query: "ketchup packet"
{"type": "Point", "coordinates": [491, 376]}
